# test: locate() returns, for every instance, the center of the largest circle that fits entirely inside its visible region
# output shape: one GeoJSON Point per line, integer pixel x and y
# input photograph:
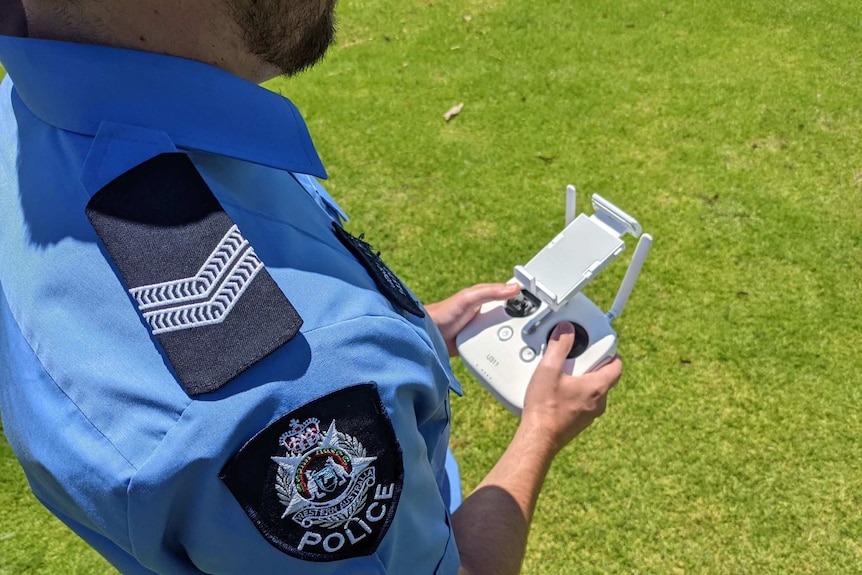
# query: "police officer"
{"type": "Point", "coordinates": [202, 371]}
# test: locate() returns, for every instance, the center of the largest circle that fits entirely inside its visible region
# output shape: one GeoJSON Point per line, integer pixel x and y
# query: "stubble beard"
{"type": "Point", "coordinates": [291, 35]}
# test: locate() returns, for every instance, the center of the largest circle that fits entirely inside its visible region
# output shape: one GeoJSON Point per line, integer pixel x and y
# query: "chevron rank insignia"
{"type": "Point", "coordinates": [197, 282]}
{"type": "Point", "coordinates": [322, 483]}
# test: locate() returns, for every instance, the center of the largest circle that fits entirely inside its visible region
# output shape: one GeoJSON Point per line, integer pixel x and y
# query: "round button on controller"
{"type": "Point", "coordinates": [505, 333]}
{"type": "Point", "coordinates": [528, 354]}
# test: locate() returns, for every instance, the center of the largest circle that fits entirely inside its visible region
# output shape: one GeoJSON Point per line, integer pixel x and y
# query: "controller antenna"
{"type": "Point", "coordinates": [628, 283]}
{"type": "Point", "coordinates": [571, 200]}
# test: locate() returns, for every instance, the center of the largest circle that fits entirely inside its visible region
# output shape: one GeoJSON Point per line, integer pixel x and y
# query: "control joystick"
{"type": "Point", "coordinates": [581, 343]}
{"type": "Point", "coordinates": [522, 305]}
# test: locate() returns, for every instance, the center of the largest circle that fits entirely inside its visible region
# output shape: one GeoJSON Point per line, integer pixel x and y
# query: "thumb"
{"type": "Point", "coordinates": [559, 345]}
{"type": "Point", "coordinates": [483, 293]}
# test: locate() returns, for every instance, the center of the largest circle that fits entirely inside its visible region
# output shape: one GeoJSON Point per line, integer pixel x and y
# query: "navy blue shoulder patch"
{"type": "Point", "coordinates": [200, 287]}
{"type": "Point", "coordinates": [322, 482]}
{"type": "Point", "coordinates": [389, 284]}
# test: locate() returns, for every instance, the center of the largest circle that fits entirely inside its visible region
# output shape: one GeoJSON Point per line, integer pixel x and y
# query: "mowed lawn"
{"type": "Point", "coordinates": [731, 130]}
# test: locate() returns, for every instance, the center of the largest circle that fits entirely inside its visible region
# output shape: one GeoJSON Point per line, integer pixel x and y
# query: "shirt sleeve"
{"type": "Point", "coordinates": [332, 471]}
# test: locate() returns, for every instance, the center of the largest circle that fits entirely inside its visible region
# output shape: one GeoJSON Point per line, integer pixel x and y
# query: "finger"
{"type": "Point", "coordinates": [472, 298]}
{"type": "Point", "coordinates": [559, 345]}
{"type": "Point", "coordinates": [609, 374]}
{"type": "Point", "coordinates": [483, 293]}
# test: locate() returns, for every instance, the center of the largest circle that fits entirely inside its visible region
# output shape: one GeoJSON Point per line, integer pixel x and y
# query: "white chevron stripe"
{"type": "Point", "coordinates": [216, 308]}
{"type": "Point", "coordinates": [199, 286]}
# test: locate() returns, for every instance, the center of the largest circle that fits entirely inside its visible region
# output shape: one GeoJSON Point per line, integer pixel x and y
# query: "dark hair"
{"type": "Point", "coordinates": [13, 20]}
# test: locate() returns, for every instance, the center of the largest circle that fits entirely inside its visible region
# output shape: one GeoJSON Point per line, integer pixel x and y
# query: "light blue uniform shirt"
{"type": "Point", "coordinates": [109, 441]}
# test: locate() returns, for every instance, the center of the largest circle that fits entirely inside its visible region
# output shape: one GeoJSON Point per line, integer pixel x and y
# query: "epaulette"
{"type": "Point", "coordinates": [197, 282]}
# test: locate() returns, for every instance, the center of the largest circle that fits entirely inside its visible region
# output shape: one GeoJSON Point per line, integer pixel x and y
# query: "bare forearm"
{"type": "Point", "coordinates": [492, 524]}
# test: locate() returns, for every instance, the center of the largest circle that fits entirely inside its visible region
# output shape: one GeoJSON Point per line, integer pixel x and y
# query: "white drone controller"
{"type": "Point", "coordinates": [503, 344]}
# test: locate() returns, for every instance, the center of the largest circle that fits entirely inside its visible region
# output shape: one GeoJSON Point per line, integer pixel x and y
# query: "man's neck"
{"type": "Point", "coordinates": [198, 30]}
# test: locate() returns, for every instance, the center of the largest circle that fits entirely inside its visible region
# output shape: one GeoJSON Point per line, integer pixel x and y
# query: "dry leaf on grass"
{"type": "Point", "coordinates": [453, 111]}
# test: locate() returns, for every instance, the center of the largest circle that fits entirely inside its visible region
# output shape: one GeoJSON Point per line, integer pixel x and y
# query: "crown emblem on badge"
{"type": "Point", "coordinates": [301, 436]}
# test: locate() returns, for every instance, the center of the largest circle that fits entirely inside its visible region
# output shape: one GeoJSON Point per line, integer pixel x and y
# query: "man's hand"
{"type": "Point", "coordinates": [453, 313]}
{"type": "Point", "coordinates": [559, 406]}
{"type": "Point", "coordinates": [492, 524]}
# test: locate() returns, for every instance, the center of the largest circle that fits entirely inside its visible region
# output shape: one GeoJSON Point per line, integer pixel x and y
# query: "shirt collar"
{"type": "Point", "coordinates": [76, 87]}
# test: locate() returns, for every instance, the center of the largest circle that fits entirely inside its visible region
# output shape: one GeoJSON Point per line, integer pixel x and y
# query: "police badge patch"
{"type": "Point", "coordinates": [322, 483]}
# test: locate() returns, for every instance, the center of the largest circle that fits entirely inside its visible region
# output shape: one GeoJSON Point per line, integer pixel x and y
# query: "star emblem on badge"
{"type": "Point", "coordinates": [322, 476]}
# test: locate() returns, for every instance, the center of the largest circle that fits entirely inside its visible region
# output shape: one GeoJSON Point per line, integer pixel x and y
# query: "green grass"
{"type": "Point", "coordinates": [731, 131]}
